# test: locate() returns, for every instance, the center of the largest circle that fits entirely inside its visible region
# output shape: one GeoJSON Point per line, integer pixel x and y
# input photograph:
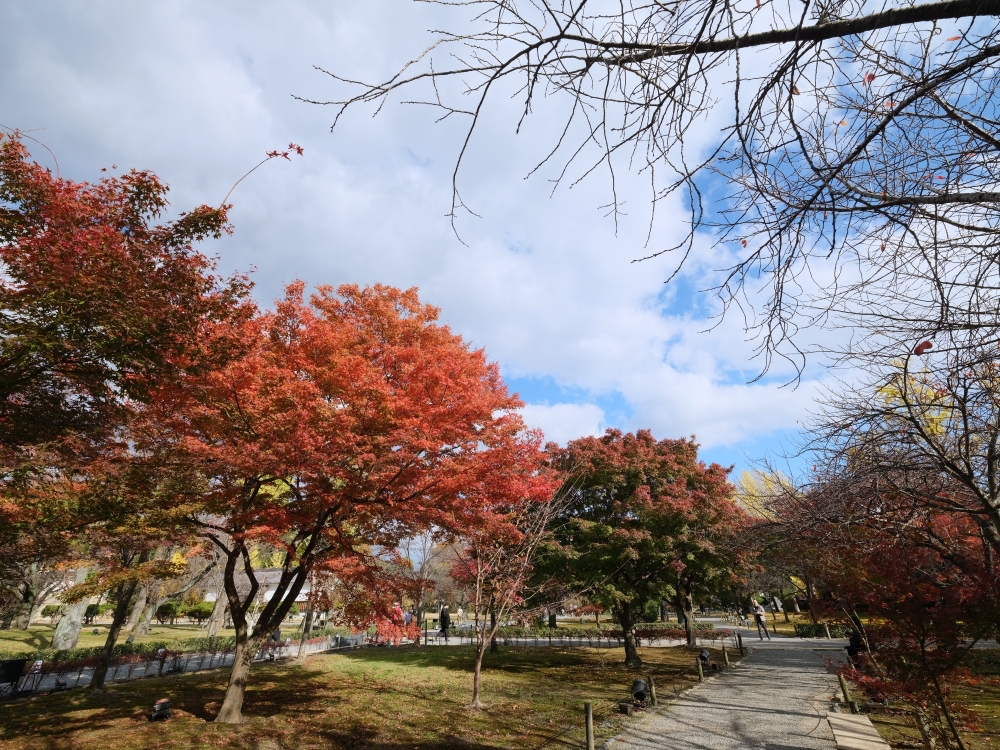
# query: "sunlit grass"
{"type": "Point", "coordinates": [38, 637]}
{"type": "Point", "coordinates": [371, 698]}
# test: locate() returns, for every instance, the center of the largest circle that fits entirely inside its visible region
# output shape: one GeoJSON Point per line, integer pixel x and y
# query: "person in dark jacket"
{"type": "Point", "coordinates": [445, 622]}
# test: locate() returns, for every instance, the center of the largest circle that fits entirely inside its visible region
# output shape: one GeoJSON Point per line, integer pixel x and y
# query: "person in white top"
{"type": "Point", "coordinates": [758, 616]}
{"type": "Point", "coordinates": [460, 616]}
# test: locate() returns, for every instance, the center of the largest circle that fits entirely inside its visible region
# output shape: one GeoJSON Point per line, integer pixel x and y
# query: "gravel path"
{"type": "Point", "coordinates": [776, 698]}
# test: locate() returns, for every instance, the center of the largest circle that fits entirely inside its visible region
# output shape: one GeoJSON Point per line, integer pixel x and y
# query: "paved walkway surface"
{"type": "Point", "coordinates": [776, 698]}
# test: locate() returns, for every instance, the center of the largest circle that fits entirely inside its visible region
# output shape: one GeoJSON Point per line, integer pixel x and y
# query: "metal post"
{"type": "Point", "coordinates": [652, 692]}
{"type": "Point", "coordinates": [725, 654]}
{"type": "Point", "coordinates": [739, 642]}
{"type": "Point", "coordinates": [701, 673]}
{"type": "Point", "coordinates": [588, 711]}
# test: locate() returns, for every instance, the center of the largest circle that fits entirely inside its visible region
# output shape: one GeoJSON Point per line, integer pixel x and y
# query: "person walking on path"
{"type": "Point", "coordinates": [741, 616]}
{"type": "Point", "coordinates": [759, 617]}
{"type": "Point", "coordinates": [445, 622]}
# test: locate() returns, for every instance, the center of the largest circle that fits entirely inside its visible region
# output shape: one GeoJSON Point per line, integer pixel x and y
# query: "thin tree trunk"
{"type": "Point", "coordinates": [944, 709]}
{"type": "Point", "coordinates": [477, 673]}
{"type": "Point", "coordinates": [812, 601]}
{"type": "Point", "coordinates": [68, 630]}
{"type": "Point", "coordinates": [493, 632]}
{"type": "Point", "coordinates": [125, 593]}
{"type": "Point", "coordinates": [306, 627]}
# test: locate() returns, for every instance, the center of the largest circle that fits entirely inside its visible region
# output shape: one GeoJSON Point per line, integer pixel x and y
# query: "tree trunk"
{"type": "Point", "coordinates": [232, 705]}
{"type": "Point", "coordinates": [306, 627]}
{"type": "Point", "coordinates": [23, 616]}
{"type": "Point", "coordinates": [218, 618]}
{"type": "Point", "coordinates": [493, 632]}
{"type": "Point", "coordinates": [477, 673]}
{"type": "Point", "coordinates": [138, 609]}
{"type": "Point", "coordinates": [810, 597]}
{"type": "Point", "coordinates": [145, 619]}
{"type": "Point", "coordinates": [68, 630]}
{"type": "Point", "coordinates": [125, 593]}
{"type": "Point", "coordinates": [625, 620]}
{"type": "Point", "coordinates": [685, 605]}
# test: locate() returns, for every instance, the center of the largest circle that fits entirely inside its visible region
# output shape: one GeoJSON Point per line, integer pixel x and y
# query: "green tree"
{"type": "Point", "coordinates": [645, 516]}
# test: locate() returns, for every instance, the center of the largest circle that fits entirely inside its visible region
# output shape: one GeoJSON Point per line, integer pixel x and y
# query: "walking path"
{"type": "Point", "coordinates": [776, 698]}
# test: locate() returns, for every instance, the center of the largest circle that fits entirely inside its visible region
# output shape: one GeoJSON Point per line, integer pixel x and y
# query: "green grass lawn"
{"type": "Point", "coordinates": [371, 698]}
{"type": "Point", "coordinates": [40, 636]}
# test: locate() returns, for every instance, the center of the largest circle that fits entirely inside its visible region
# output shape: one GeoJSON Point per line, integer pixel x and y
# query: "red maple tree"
{"type": "Point", "coordinates": [352, 421]}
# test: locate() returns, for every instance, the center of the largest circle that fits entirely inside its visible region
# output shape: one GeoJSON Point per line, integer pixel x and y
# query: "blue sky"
{"type": "Point", "coordinates": [199, 91]}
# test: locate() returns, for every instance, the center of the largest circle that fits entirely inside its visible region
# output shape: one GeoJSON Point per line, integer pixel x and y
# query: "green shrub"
{"type": "Point", "coordinates": [200, 611]}
{"type": "Point", "coordinates": [50, 610]}
{"type": "Point", "coordinates": [93, 610]}
{"type": "Point", "coordinates": [167, 611]}
{"type": "Point", "coordinates": [809, 630]}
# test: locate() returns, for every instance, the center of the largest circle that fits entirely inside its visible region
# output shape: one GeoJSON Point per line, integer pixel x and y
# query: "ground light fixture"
{"type": "Point", "coordinates": [639, 690]}
{"type": "Point", "coordinates": [161, 710]}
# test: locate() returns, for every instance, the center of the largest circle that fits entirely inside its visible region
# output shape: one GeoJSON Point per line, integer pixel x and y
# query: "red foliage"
{"type": "Point", "coordinates": [349, 423]}
{"type": "Point", "coordinates": [97, 300]}
{"type": "Point", "coordinates": [925, 578]}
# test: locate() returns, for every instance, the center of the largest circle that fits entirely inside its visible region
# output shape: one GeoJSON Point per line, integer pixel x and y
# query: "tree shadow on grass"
{"type": "Point", "coordinates": [512, 659]}
{"type": "Point", "coordinates": [23, 641]}
{"type": "Point", "coordinates": [286, 702]}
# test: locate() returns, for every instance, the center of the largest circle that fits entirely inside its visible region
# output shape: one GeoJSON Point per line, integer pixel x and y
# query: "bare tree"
{"type": "Point", "coordinates": [495, 565]}
{"type": "Point", "coordinates": [858, 143]}
{"type": "Point", "coordinates": [929, 429]}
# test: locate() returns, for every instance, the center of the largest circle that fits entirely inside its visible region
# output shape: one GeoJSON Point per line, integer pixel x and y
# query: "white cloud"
{"type": "Point", "coordinates": [199, 91]}
{"type": "Point", "coordinates": [564, 422]}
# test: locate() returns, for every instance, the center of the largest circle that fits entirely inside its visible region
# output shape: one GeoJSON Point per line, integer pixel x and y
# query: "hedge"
{"type": "Point", "coordinates": [809, 630]}
{"type": "Point", "coordinates": [189, 645]}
